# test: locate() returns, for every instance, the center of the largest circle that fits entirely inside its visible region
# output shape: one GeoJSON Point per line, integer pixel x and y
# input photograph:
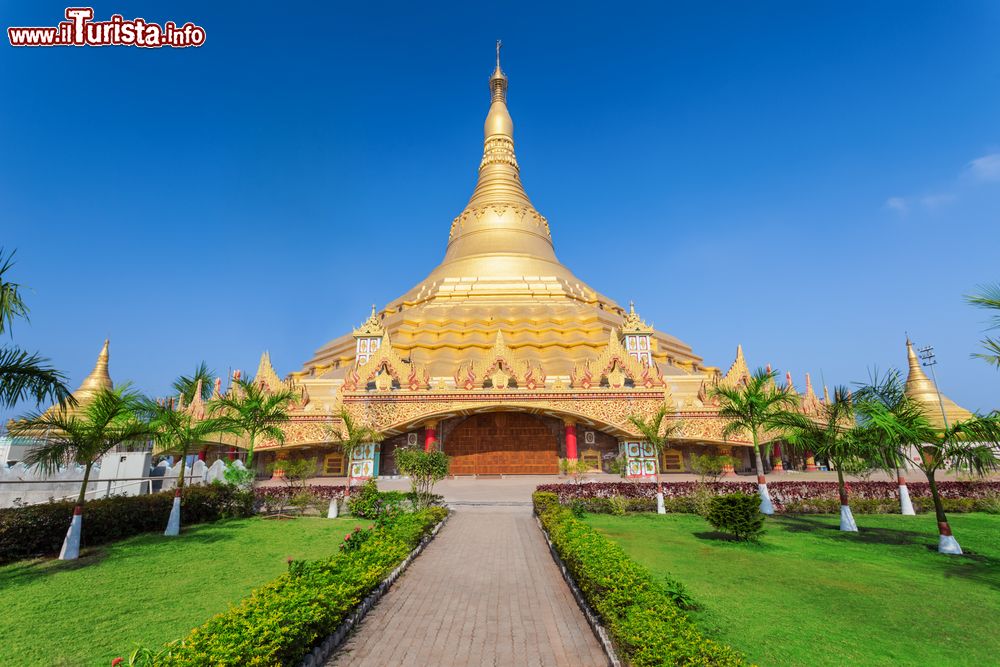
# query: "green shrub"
{"type": "Point", "coordinates": [365, 501]}
{"type": "Point", "coordinates": [643, 617]}
{"type": "Point", "coordinates": [544, 500]}
{"type": "Point", "coordinates": [737, 514]}
{"type": "Point", "coordinates": [280, 622]}
{"type": "Point", "coordinates": [424, 469]}
{"type": "Point", "coordinates": [38, 530]}
{"type": "Point", "coordinates": [617, 505]}
{"type": "Point", "coordinates": [370, 503]}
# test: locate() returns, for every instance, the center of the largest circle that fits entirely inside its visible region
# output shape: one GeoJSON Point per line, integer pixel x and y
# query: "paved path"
{"type": "Point", "coordinates": [484, 592]}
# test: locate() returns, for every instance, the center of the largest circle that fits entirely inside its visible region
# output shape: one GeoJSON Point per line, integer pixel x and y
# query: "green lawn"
{"type": "Point", "coordinates": [811, 595]}
{"type": "Point", "coordinates": [146, 590]}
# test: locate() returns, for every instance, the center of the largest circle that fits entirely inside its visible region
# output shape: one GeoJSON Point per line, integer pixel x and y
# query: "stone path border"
{"type": "Point", "coordinates": [592, 618]}
{"type": "Point", "coordinates": [326, 648]}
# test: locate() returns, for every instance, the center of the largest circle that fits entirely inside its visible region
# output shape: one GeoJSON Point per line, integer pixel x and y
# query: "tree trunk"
{"type": "Point", "coordinates": [905, 504]}
{"type": "Point", "coordinates": [660, 509]}
{"type": "Point", "coordinates": [180, 475]}
{"type": "Point", "coordinates": [250, 453]}
{"type": "Point", "coordinates": [74, 535]}
{"type": "Point", "coordinates": [82, 498]}
{"type": "Point", "coordinates": [846, 515]}
{"type": "Point", "coordinates": [947, 544]}
{"type": "Point", "coordinates": [174, 520]}
{"type": "Point", "coordinates": [766, 506]}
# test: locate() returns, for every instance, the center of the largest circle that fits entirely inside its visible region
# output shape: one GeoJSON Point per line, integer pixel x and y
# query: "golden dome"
{"type": "Point", "coordinates": [922, 390]}
{"type": "Point", "coordinates": [500, 270]}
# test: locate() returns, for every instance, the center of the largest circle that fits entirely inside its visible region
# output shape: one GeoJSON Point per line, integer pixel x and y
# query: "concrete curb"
{"type": "Point", "coordinates": [325, 649]}
{"type": "Point", "coordinates": [592, 618]}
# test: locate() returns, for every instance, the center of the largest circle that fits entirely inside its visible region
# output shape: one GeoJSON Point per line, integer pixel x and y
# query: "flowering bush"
{"type": "Point", "coordinates": [782, 493]}
{"type": "Point", "coordinates": [354, 539]}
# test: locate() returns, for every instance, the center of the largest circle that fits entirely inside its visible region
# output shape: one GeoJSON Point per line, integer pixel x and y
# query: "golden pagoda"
{"type": "Point", "coordinates": [502, 356]}
{"type": "Point", "coordinates": [921, 389]}
{"type": "Point", "coordinates": [99, 378]}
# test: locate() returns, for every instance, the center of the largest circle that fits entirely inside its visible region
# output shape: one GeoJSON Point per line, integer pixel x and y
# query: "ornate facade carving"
{"type": "Point", "coordinates": [388, 370]}
{"type": "Point", "coordinates": [613, 367]}
{"type": "Point", "coordinates": [500, 368]}
{"type": "Point", "coordinates": [523, 215]}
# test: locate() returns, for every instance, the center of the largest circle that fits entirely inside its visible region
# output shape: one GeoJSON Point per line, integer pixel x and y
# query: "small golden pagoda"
{"type": "Point", "coordinates": [922, 390]}
{"type": "Point", "coordinates": [502, 355]}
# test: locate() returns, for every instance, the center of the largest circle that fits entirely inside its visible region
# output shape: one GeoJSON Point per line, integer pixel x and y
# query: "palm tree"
{"type": "Point", "coordinates": [834, 435]}
{"type": "Point", "coordinates": [656, 433]}
{"type": "Point", "coordinates": [351, 439]}
{"type": "Point", "coordinates": [178, 431]}
{"type": "Point", "coordinates": [105, 421]}
{"type": "Point", "coordinates": [989, 298]}
{"type": "Point", "coordinates": [898, 425]}
{"type": "Point", "coordinates": [250, 409]}
{"type": "Point", "coordinates": [187, 386]}
{"type": "Point", "coordinates": [764, 410]}
{"type": "Point", "coordinates": [22, 374]}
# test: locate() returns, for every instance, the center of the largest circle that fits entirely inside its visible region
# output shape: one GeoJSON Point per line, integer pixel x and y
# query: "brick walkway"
{"type": "Point", "coordinates": [484, 592]}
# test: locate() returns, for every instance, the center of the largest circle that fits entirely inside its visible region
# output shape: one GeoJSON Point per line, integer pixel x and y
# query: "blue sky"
{"type": "Point", "coordinates": [808, 179]}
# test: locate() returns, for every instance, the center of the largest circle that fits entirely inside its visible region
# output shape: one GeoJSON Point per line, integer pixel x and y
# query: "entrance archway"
{"type": "Point", "coordinates": [502, 443]}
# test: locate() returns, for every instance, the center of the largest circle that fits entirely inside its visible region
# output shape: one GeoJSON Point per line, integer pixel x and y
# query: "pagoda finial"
{"type": "Point", "coordinates": [631, 307]}
{"type": "Point", "coordinates": [498, 87]}
{"type": "Point", "coordinates": [99, 378]}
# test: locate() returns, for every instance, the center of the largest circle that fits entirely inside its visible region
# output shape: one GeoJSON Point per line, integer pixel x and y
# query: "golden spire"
{"type": "Point", "coordinates": [500, 218]}
{"type": "Point", "coordinates": [196, 408]}
{"type": "Point", "coordinates": [789, 384]}
{"type": "Point", "coordinates": [98, 379]}
{"type": "Point", "coordinates": [738, 371]}
{"type": "Point", "coordinates": [266, 375]}
{"type": "Point", "coordinates": [923, 391]}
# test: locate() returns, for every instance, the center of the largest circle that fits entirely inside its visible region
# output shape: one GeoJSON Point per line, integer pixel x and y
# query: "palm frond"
{"type": "Point", "coordinates": [24, 375]}
{"type": "Point", "coordinates": [988, 297]}
{"type": "Point", "coordinates": [992, 354]}
{"type": "Point", "coordinates": [186, 385]}
{"type": "Point", "coordinates": [12, 306]}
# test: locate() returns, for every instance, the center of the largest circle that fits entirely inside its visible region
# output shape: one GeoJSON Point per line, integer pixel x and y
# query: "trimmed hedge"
{"type": "Point", "coordinates": [790, 494]}
{"type": "Point", "coordinates": [686, 505]}
{"type": "Point", "coordinates": [280, 622]}
{"type": "Point", "coordinates": [286, 491]}
{"type": "Point", "coordinates": [647, 626]}
{"type": "Point", "coordinates": [39, 530]}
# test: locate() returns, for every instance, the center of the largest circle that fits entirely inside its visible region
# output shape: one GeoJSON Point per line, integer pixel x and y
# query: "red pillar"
{"type": "Point", "coordinates": [777, 465]}
{"type": "Point", "coordinates": [571, 440]}
{"type": "Point", "coordinates": [430, 436]}
{"type": "Point", "coordinates": [201, 454]}
{"type": "Point", "coordinates": [811, 463]}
